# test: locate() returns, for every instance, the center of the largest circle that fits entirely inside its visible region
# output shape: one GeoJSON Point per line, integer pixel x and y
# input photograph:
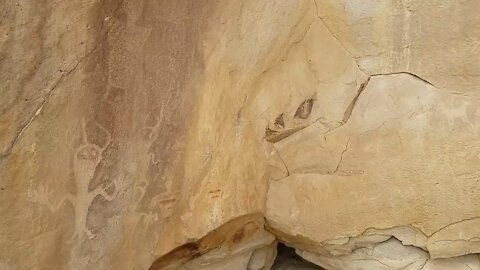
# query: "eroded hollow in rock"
{"type": "Point", "coordinates": [288, 259]}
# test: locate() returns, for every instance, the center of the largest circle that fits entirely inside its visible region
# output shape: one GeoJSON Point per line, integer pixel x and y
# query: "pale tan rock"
{"type": "Point", "coordinates": [276, 166]}
{"type": "Point", "coordinates": [299, 156]}
{"type": "Point", "coordinates": [345, 245]}
{"type": "Point", "coordinates": [469, 262]}
{"type": "Point", "coordinates": [435, 40]}
{"type": "Point", "coordinates": [236, 262]}
{"type": "Point", "coordinates": [410, 145]}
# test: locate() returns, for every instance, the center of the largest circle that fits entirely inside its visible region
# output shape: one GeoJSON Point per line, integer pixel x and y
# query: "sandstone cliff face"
{"type": "Point", "coordinates": [162, 134]}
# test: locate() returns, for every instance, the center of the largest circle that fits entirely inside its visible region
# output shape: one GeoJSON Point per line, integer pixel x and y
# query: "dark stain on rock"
{"type": "Point", "coordinates": [188, 250]}
{"type": "Point", "coordinates": [269, 132]}
{"type": "Point", "coordinates": [99, 213]}
{"type": "Point", "coordinates": [96, 134]}
{"type": "Point", "coordinates": [174, 61]}
{"type": "Point", "coordinates": [238, 236]}
{"type": "Point", "coordinates": [228, 234]}
{"type": "Point", "coordinates": [304, 110]}
{"type": "Point", "coordinates": [114, 95]}
{"type": "Point", "coordinates": [279, 122]}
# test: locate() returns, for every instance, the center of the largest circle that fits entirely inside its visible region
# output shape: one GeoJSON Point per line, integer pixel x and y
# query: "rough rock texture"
{"type": "Point", "coordinates": [288, 259]}
{"type": "Point", "coordinates": [234, 245]}
{"type": "Point", "coordinates": [394, 187]}
{"type": "Point", "coordinates": [392, 254]}
{"type": "Point", "coordinates": [404, 165]}
{"type": "Point", "coordinates": [436, 40]}
{"type": "Point", "coordinates": [159, 134]}
{"type": "Point", "coordinates": [120, 125]}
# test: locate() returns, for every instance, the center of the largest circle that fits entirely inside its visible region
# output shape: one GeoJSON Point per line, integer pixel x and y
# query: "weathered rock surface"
{"type": "Point", "coordinates": [159, 134]}
{"type": "Point", "coordinates": [119, 124]}
{"type": "Point", "coordinates": [241, 244]}
{"type": "Point", "coordinates": [407, 145]}
{"type": "Point", "coordinates": [392, 255]}
{"type": "Point", "coordinates": [405, 163]}
{"type": "Point", "coordinates": [436, 40]}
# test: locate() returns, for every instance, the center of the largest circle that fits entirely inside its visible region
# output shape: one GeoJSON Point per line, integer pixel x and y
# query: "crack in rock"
{"type": "Point", "coordinates": [52, 91]}
{"type": "Point", "coordinates": [451, 224]}
{"type": "Point", "coordinates": [45, 101]}
{"type": "Point", "coordinates": [341, 157]}
{"type": "Point", "coordinates": [282, 160]}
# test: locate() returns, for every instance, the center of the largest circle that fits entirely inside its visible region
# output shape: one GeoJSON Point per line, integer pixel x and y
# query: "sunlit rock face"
{"type": "Point", "coordinates": [127, 130]}
{"type": "Point", "coordinates": [395, 186]}
{"type": "Point", "coordinates": [162, 134]}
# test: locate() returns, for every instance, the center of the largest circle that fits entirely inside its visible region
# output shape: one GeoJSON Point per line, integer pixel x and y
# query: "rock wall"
{"type": "Point", "coordinates": [393, 186]}
{"type": "Point", "coordinates": [159, 134]}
